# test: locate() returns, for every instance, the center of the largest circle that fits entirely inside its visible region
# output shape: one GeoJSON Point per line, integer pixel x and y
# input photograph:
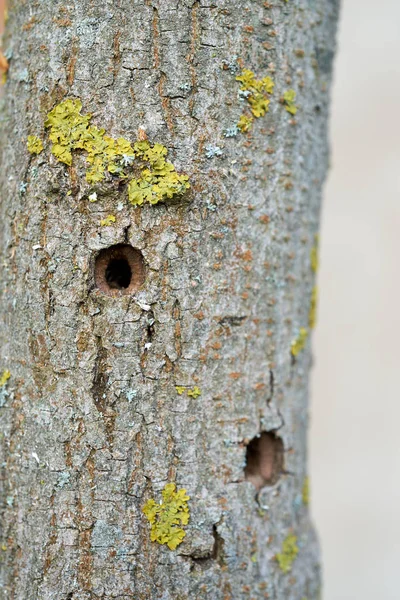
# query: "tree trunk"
{"type": "Point", "coordinates": [182, 355]}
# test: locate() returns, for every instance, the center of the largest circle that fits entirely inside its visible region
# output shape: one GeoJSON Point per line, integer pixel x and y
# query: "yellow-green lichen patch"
{"type": "Point", "coordinates": [158, 180]}
{"type": "Point", "coordinates": [194, 392]}
{"type": "Point", "coordinates": [257, 93]}
{"type": "Point", "coordinates": [289, 101]}
{"type": "Point", "coordinates": [305, 492]}
{"type": "Point", "coordinates": [300, 341]}
{"type": "Point", "coordinates": [168, 517]}
{"type": "Point", "coordinates": [312, 314]}
{"type": "Point", "coordinates": [72, 131]}
{"type": "Point", "coordinates": [5, 377]}
{"type": "Point", "coordinates": [34, 144]}
{"type": "Point", "coordinates": [109, 220]}
{"type": "Point", "coordinates": [288, 554]}
{"type": "Point", "coordinates": [314, 254]}
{"type": "Point", "coordinates": [245, 123]}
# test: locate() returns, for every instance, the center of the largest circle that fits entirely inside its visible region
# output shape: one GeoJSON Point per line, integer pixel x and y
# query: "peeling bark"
{"type": "Point", "coordinates": [92, 425]}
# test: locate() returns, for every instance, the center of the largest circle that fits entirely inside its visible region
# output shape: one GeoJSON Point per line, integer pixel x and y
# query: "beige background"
{"type": "Point", "coordinates": [355, 412]}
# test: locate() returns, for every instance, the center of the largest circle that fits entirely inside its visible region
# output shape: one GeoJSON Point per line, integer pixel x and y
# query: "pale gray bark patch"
{"type": "Point", "coordinates": [92, 425]}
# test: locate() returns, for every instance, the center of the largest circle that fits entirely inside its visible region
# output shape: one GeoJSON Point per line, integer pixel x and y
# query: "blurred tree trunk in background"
{"type": "Point", "coordinates": [111, 386]}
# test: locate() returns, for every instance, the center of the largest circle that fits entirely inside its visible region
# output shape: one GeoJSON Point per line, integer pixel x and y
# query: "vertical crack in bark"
{"type": "Point", "coordinates": [99, 391]}
{"type": "Point", "coordinates": [52, 539]}
{"type": "Point", "coordinates": [215, 554]}
{"type": "Point", "coordinates": [85, 522]}
{"type": "Point", "coordinates": [72, 63]}
{"type": "Point", "coordinates": [147, 340]}
{"type": "Point", "coordinates": [165, 100]}
{"type": "Point", "coordinates": [117, 55]}
{"type": "Point", "coordinates": [156, 38]}
{"type": "Point", "coordinates": [218, 548]}
{"type": "Point", "coordinates": [194, 43]}
{"type": "Point", "coordinates": [99, 386]}
{"type": "Point", "coordinates": [271, 387]}
{"type": "Point", "coordinates": [176, 315]}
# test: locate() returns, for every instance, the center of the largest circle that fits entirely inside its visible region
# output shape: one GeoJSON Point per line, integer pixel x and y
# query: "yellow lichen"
{"type": "Point", "coordinates": [159, 180]}
{"type": "Point", "coordinates": [256, 92]}
{"type": "Point", "coordinates": [244, 123]}
{"type": "Point", "coordinates": [288, 554]}
{"type": "Point", "coordinates": [195, 392]}
{"type": "Point", "coordinates": [288, 100]}
{"type": "Point", "coordinates": [109, 220]}
{"type": "Point", "coordinates": [314, 254]}
{"type": "Point", "coordinates": [168, 517]}
{"type": "Point", "coordinates": [299, 343]}
{"type": "Point", "coordinates": [5, 377]}
{"type": "Point", "coordinates": [312, 314]}
{"type": "Point", "coordinates": [71, 131]}
{"type": "Point", "coordinates": [34, 144]}
{"type": "Point", "coordinates": [305, 493]}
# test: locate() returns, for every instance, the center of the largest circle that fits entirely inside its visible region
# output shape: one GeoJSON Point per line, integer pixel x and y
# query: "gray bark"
{"type": "Point", "coordinates": [92, 425]}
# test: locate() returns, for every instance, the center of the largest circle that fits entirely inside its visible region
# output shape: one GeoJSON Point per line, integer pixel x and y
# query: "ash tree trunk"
{"type": "Point", "coordinates": [156, 309]}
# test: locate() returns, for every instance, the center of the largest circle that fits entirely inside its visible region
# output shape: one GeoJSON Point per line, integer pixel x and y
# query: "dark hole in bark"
{"type": "Point", "coordinates": [264, 460]}
{"type": "Point", "coordinates": [118, 274]}
{"type": "Point", "coordinates": [119, 270]}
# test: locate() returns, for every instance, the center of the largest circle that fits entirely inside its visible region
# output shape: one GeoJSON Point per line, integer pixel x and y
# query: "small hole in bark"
{"type": "Point", "coordinates": [264, 460]}
{"type": "Point", "coordinates": [119, 270]}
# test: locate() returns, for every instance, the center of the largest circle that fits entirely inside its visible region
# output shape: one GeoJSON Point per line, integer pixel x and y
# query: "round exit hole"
{"type": "Point", "coordinates": [119, 270]}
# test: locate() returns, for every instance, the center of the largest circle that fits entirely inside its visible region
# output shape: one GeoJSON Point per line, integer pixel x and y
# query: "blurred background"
{"type": "Point", "coordinates": [355, 405]}
{"type": "Point", "coordinates": [355, 409]}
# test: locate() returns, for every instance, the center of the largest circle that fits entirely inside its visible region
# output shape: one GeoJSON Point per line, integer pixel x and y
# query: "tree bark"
{"type": "Point", "coordinates": [92, 422]}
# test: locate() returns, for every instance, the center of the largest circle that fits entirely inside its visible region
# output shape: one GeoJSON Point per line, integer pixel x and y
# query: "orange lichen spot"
{"type": "Point", "coordinates": [235, 375]}
{"type": "Point", "coordinates": [199, 315]}
{"type": "Point", "coordinates": [267, 46]}
{"type": "Point", "coordinates": [216, 346]}
{"type": "Point", "coordinates": [63, 22]}
{"type": "Point", "coordinates": [247, 255]}
{"type": "Point", "coordinates": [32, 21]}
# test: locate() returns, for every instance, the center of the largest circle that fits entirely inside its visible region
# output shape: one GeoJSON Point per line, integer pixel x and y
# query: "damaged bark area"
{"type": "Point", "coordinates": [157, 312]}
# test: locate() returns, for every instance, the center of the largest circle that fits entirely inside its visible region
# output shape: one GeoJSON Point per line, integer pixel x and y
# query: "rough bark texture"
{"type": "Point", "coordinates": [91, 423]}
